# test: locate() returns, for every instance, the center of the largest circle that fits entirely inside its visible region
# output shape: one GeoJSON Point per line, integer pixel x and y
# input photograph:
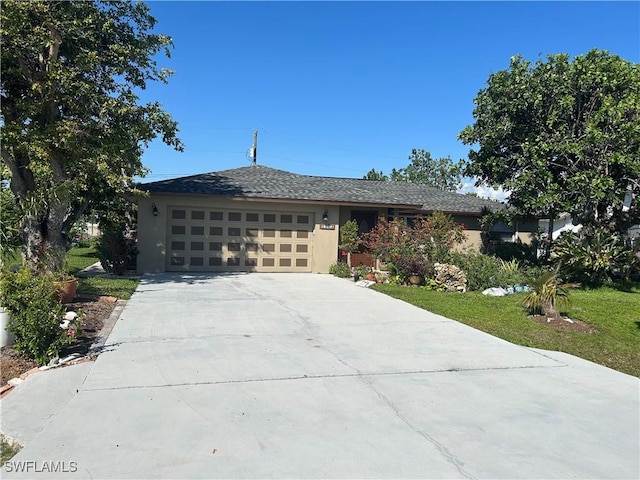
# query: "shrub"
{"type": "Point", "coordinates": [547, 295]}
{"type": "Point", "coordinates": [482, 271]}
{"type": "Point", "coordinates": [485, 271]}
{"type": "Point", "coordinates": [340, 269]}
{"type": "Point", "coordinates": [511, 273]}
{"type": "Point", "coordinates": [116, 246]}
{"type": "Point", "coordinates": [35, 313]}
{"type": "Point", "coordinates": [594, 259]}
{"type": "Point", "coordinates": [361, 270]}
{"type": "Point", "coordinates": [116, 252]}
{"type": "Point", "coordinates": [523, 253]}
{"type": "Point", "coordinates": [349, 240]}
{"type": "Point", "coordinates": [412, 265]}
{"type": "Point", "coordinates": [432, 237]}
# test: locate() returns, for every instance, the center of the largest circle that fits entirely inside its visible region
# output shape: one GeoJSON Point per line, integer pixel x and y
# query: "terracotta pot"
{"type": "Point", "coordinates": [415, 279]}
{"type": "Point", "coordinates": [370, 276]}
{"type": "Point", "coordinates": [66, 290]}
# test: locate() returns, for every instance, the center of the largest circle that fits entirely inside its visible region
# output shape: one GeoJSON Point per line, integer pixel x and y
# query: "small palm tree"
{"type": "Point", "coordinates": [547, 295]}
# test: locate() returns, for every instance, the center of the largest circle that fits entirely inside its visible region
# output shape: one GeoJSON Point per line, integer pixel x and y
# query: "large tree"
{"type": "Point", "coordinates": [563, 136]}
{"type": "Point", "coordinates": [441, 173]}
{"type": "Point", "coordinates": [73, 129]}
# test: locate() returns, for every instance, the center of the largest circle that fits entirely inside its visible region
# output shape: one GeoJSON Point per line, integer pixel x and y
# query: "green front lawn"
{"type": "Point", "coordinates": [614, 314]}
{"type": "Point", "coordinates": [79, 258]}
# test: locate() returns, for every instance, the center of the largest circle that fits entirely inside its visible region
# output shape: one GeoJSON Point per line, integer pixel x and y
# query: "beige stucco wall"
{"type": "Point", "coordinates": [152, 230]}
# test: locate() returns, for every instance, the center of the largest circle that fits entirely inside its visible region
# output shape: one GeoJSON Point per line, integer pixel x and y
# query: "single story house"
{"type": "Point", "coordinates": [262, 219]}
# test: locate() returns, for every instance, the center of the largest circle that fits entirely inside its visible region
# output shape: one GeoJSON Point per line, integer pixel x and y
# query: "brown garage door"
{"type": "Point", "coordinates": [210, 240]}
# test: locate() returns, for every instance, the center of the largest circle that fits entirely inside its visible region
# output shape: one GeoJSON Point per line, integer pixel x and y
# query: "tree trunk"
{"type": "Point", "coordinates": [549, 243]}
{"type": "Point", "coordinates": [549, 310]}
{"type": "Point", "coordinates": [44, 248]}
{"type": "Point", "coordinates": [46, 234]}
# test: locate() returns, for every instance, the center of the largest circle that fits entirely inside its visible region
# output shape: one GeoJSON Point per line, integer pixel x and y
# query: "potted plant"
{"type": "Point", "coordinates": [360, 272]}
{"type": "Point", "coordinates": [66, 287]}
{"type": "Point", "coordinates": [349, 240]}
{"type": "Point", "coordinates": [413, 268]}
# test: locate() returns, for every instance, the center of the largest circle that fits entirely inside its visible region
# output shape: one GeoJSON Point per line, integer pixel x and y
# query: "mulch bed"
{"type": "Point", "coordinates": [96, 311]}
{"type": "Point", "coordinates": [561, 323]}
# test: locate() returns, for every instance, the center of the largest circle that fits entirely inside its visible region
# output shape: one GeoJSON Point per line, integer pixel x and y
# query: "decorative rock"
{"type": "Point", "coordinates": [495, 292]}
{"type": "Point", "coordinates": [452, 277]}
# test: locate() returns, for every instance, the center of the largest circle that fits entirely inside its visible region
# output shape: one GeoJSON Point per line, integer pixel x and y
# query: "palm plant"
{"type": "Point", "coordinates": [547, 295]}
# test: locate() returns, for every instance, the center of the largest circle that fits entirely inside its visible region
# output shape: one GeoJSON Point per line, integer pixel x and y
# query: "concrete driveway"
{"type": "Point", "coordinates": [310, 376]}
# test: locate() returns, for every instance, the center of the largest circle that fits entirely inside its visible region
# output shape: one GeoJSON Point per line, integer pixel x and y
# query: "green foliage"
{"type": "Point", "coordinates": [546, 296]}
{"type": "Point", "coordinates": [444, 233]}
{"type": "Point", "coordinates": [440, 173]}
{"type": "Point", "coordinates": [432, 237]}
{"type": "Point", "coordinates": [73, 130]}
{"type": "Point", "coordinates": [116, 246]}
{"type": "Point", "coordinates": [485, 271]}
{"type": "Point", "coordinates": [521, 252]}
{"type": "Point", "coordinates": [593, 259]}
{"type": "Point", "coordinates": [349, 239]}
{"type": "Point", "coordinates": [562, 136]}
{"type": "Point", "coordinates": [374, 175]}
{"type": "Point", "coordinates": [482, 271]}
{"type": "Point", "coordinates": [10, 235]}
{"type": "Point", "coordinates": [436, 286]}
{"type": "Point", "coordinates": [117, 252]}
{"type": "Point", "coordinates": [361, 270]}
{"type": "Point", "coordinates": [35, 313]}
{"type": "Point", "coordinates": [340, 269]}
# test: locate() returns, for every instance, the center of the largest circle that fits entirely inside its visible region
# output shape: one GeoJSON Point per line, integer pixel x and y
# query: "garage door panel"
{"type": "Point", "coordinates": [202, 239]}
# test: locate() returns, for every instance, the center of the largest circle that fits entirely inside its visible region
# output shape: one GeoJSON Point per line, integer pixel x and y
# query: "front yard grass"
{"type": "Point", "coordinates": [614, 314]}
{"type": "Point", "coordinates": [79, 258]}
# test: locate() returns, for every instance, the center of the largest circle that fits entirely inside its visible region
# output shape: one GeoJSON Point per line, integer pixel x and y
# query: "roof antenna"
{"type": "Point", "coordinates": [253, 151]}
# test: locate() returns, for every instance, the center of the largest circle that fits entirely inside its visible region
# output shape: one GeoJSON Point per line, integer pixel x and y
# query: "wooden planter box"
{"type": "Point", "coordinates": [365, 259]}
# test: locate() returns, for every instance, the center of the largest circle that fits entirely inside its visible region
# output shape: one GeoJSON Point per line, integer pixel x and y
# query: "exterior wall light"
{"type": "Point", "coordinates": [325, 216]}
{"type": "Point", "coordinates": [154, 209]}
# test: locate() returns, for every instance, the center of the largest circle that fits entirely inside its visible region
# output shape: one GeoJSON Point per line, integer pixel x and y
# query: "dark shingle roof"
{"type": "Point", "coordinates": [258, 181]}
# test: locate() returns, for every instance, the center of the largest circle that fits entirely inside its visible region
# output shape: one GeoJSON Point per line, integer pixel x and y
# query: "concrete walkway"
{"type": "Point", "coordinates": [309, 376]}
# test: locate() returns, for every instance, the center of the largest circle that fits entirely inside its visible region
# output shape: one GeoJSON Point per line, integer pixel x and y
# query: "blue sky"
{"type": "Point", "coordinates": [338, 88]}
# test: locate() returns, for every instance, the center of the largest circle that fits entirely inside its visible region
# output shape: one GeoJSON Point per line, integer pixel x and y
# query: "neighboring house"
{"type": "Point", "coordinates": [564, 223]}
{"type": "Point", "coordinates": [262, 219]}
